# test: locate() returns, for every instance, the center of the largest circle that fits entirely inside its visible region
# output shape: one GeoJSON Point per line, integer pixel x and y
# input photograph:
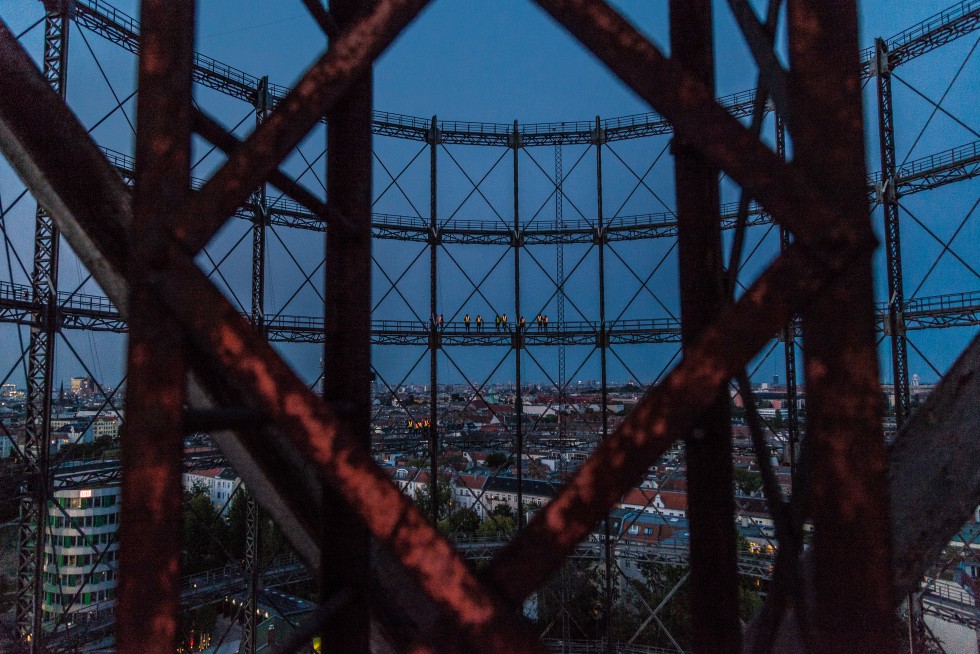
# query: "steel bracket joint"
{"type": "Point", "coordinates": [435, 339]}
{"type": "Point", "coordinates": [59, 6]}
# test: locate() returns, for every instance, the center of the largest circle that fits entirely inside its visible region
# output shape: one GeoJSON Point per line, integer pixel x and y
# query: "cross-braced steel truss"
{"type": "Point", "coordinates": [308, 460]}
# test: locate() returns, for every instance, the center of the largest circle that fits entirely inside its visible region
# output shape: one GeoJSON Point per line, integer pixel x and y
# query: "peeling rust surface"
{"type": "Point", "coordinates": [151, 525]}
{"type": "Point", "coordinates": [323, 85]}
{"type": "Point", "coordinates": [820, 196]}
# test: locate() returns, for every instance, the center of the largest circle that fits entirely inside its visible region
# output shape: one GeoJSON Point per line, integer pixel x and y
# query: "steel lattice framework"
{"type": "Point", "coordinates": [136, 225]}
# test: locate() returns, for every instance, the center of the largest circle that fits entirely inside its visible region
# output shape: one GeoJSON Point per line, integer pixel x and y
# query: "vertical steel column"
{"type": "Point", "coordinates": [519, 340]}
{"type": "Point", "coordinates": [560, 279]}
{"type": "Point", "coordinates": [600, 139]}
{"type": "Point", "coordinates": [252, 549]}
{"type": "Point", "coordinates": [252, 516]}
{"type": "Point", "coordinates": [789, 335]}
{"type": "Point", "coordinates": [347, 348]}
{"type": "Point", "coordinates": [895, 322]}
{"type": "Point", "coordinates": [848, 484]}
{"type": "Point", "coordinates": [150, 529]}
{"type": "Point", "coordinates": [714, 573]}
{"type": "Point", "coordinates": [562, 382]}
{"type": "Point", "coordinates": [40, 357]}
{"type": "Point", "coordinates": [435, 338]}
{"type": "Point", "coordinates": [893, 244]}
{"type": "Point", "coordinates": [260, 218]}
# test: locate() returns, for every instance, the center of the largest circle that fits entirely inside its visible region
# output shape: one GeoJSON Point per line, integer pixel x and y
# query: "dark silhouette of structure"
{"type": "Point", "coordinates": [305, 456]}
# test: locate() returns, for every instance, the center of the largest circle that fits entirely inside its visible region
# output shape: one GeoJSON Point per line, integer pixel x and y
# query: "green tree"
{"type": "Point", "coordinates": [272, 542]}
{"type": "Point", "coordinates": [746, 481]}
{"type": "Point", "coordinates": [463, 520]}
{"type": "Point", "coordinates": [579, 590]}
{"type": "Point", "coordinates": [503, 511]}
{"type": "Point", "coordinates": [205, 533]}
{"type": "Point", "coordinates": [423, 497]}
{"type": "Point", "coordinates": [777, 421]}
{"type": "Point", "coordinates": [7, 593]}
{"type": "Point", "coordinates": [496, 459]}
{"type": "Point", "coordinates": [504, 524]}
{"type": "Point", "coordinates": [237, 515]}
{"type": "Point", "coordinates": [676, 613]}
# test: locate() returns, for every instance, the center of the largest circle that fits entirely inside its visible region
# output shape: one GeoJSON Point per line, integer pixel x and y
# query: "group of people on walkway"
{"type": "Point", "coordinates": [499, 322]}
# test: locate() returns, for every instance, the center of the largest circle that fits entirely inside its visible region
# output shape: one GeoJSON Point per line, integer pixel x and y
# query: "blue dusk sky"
{"type": "Point", "coordinates": [502, 61]}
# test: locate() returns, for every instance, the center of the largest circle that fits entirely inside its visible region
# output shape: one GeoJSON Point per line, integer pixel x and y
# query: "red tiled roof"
{"type": "Point", "coordinates": [207, 472]}
{"type": "Point", "coordinates": [674, 501]}
{"type": "Point", "coordinates": [639, 496]}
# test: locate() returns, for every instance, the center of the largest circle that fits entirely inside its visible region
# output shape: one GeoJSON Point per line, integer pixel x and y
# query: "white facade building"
{"type": "Point", "coordinates": [218, 483]}
{"type": "Point", "coordinates": [80, 550]}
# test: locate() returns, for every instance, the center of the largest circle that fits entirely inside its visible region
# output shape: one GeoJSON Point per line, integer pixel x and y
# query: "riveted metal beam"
{"type": "Point", "coordinates": [149, 595]}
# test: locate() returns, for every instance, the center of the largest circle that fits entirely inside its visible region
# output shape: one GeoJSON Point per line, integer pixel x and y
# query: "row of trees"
{"type": "Point", "coordinates": [213, 538]}
{"type": "Point", "coordinates": [457, 519]}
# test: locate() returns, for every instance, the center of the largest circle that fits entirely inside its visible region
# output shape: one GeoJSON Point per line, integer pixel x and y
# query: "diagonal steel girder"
{"type": "Point", "coordinates": [709, 358]}
{"type": "Point", "coordinates": [249, 165]}
{"type": "Point", "coordinates": [96, 213]}
{"type": "Point", "coordinates": [935, 482]}
{"type": "Point", "coordinates": [783, 188]}
{"type": "Point", "coordinates": [96, 208]}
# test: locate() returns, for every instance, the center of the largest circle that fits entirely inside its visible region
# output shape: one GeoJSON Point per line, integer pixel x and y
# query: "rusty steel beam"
{"type": "Point", "coordinates": [759, 36]}
{"type": "Point", "coordinates": [227, 142]}
{"type": "Point", "coordinates": [784, 189]}
{"type": "Point", "coordinates": [34, 125]}
{"type": "Point", "coordinates": [669, 410]}
{"type": "Point", "coordinates": [225, 343]}
{"type": "Point", "coordinates": [848, 496]}
{"type": "Point", "coordinates": [294, 407]}
{"type": "Point", "coordinates": [320, 88]}
{"type": "Point", "coordinates": [933, 472]}
{"type": "Point", "coordinates": [93, 211]}
{"type": "Point", "coordinates": [344, 539]}
{"type": "Point", "coordinates": [250, 365]}
{"type": "Point", "coordinates": [667, 413]}
{"type": "Point", "coordinates": [149, 594]}
{"type": "Point", "coordinates": [711, 503]}
{"type": "Point", "coordinates": [935, 486]}
{"type": "Point", "coordinates": [323, 18]}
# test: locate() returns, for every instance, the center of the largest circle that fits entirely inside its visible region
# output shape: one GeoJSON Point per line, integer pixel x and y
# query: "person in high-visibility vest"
{"type": "Point", "coordinates": [466, 321]}
{"type": "Point", "coordinates": [496, 321]}
{"type": "Point", "coordinates": [503, 321]}
{"type": "Point", "coordinates": [545, 321]}
{"type": "Point", "coordinates": [479, 323]}
{"type": "Point", "coordinates": [523, 323]}
{"type": "Point", "coordinates": [538, 321]}
{"type": "Point", "coordinates": [440, 322]}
